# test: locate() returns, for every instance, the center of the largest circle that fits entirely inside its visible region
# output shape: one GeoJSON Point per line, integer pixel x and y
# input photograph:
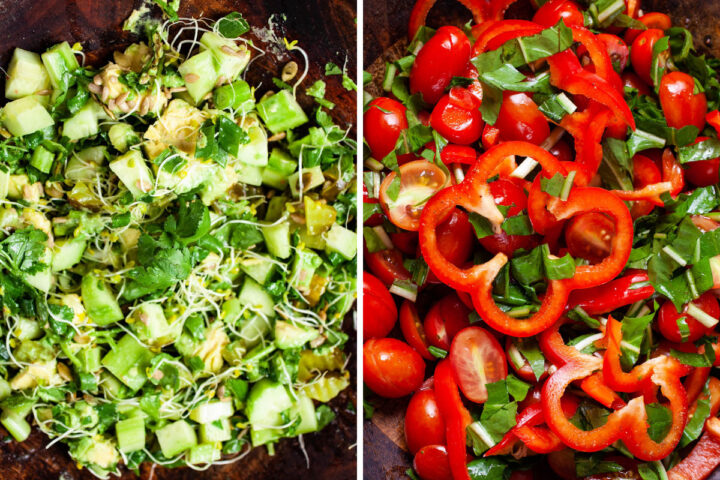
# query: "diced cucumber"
{"type": "Point", "coordinates": [211, 411]}
{"type": "Point", "coordinates": [273, 179]}
{"type": "Point", "coordinates": [68, 252]}
{"type": "Point", "coordinates": [204, 454]}
{"type": "Point", "coordinates": [276, 208]}
{"type": "Point", "coordinates": [255, 152]}
{"type": "Point", "coordinates": [236, 96]}
{"type": "Point", "coordinates": [122, 136]}
{"type": "Point", "coordinates": [200, 74]}
{"type": "Point", "coordinates": [248, 174]}
{"type": "Point", "coordinates": [5, 389]}
{"type": "Point", "coordinates": [311, 178]}
{"type": "Point", "coordinates": [256, 298]}
{"type": "Point", "coordinates": [43, 279]}
{"type": "Point", "coordinates": [130, 434]}
{"type": "Point", "coordinates": [211, 432]}
{"type": "Point", "coordinates": [26, 75]}
{"type": "Point", "coordinates": [16, 425]}
{"type": "Point", "coordinates": [319, 216]}
{"type": "Point", "coordinates": [133, 172]}
{"type": "Point", "coordinates": [60, 61]}
{"type": "Point", "coordinates": [4, 184]}
{"type": "Point", "coordinates": [341, 240]}
{"type": "Point", "coordinates": [219, 184]}
{"type": "Point", "coordinates": [175, 438]}
{"type": "Point", "coordinates": [27, 329]}
{"type": "Point", "coordinates": [277, 238]}
{"type": "Point", "coordinates": [316, 242]}
{"type": "Point", "coordinates": [149, 322]}
{"type": "Point", "coordinates": [288, 335]}
{"type": "Point", "coordinates": [231, 59]}
{"type": "Point", "coordinates": [90, 361]}
{"type": "Point", "coordinates": [79, 170]}
{"type": "Point", "coordinates": [99, 300]}
{"type": "Point", "coordinates": [95, 154]}
{"type": "Point", "coordinates": [24, 116]}
{"type": "Point", "coordinates": [253, 330]}
{"type": "Point", "coordinates": [280, 166]}
{"type": "Point", "coordinates": [306, 409]}
{"type": "Point", "coordinates": [16, 184]}
{"type": "Point", "coordinates": [281, 112]}
{"type": "Point", "coordinates": [83, 124]}
{"type": "Point", "coordinates": [304, 266]}
{"type": "Point", "coordinates": [42, 159]}
{"type": "Point", "coordinates": [265, 403]}
{"type": "Point", "coordinates": [128, 362]}
{"type": "Point", "coordinates": [258, 268]}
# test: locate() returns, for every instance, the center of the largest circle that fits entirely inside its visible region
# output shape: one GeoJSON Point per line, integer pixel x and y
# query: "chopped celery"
{"type": "Point", "coordinates": [16, 425]}
{"type": "Point", "coordinates": [130, 434]}
{"type": "Point", "coordinates": [237, 95]}
{"type": "Point", "coordinates": [218, 431]}
{"type": "Point", "coordinates": [204, 454]}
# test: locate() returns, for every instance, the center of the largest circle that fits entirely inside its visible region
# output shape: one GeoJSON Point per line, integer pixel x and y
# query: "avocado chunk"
{"type": "Point", "coordinates": [26, 75]}
{"type": "Point", "coordinates": [24, 116]}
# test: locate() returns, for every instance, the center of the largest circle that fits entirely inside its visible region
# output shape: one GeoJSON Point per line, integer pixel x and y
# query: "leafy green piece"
{"type": "Point", "coordinates": [593, 464]}
{"type": "Point", "coordinates": [518, 225]}
{"type": "Point", "coordinates": [169, 8]}
{"type": "Point", "coordinates": [557, 268]}
{"type": "Point", "coordinates": [531, 351]}
{"type": "Point", "coordinates": [232, 25]}
{"type": "Point", "coordinates": [659, 421]}
{"type": "Point", "coordinates": [509, 78]}
{"type": "Point", "coordinates": [704, 150]}
{"type": "Point", "coordinates": [633, 333]}
{"type": "Point", "coordinates": [492, 101]}
{"type": "Point", "coordinates": [490, 468]}
{"type": "Point", "coordinates": [694, 426]}
{"type": "Point", "coordinates": [22, 251]}
{"type": "Point", "coordinates": [640, 140]}
{"type": "Point", "coordinates": [230, 136]}
{"type": "Point", "coordinates": [616, 168]}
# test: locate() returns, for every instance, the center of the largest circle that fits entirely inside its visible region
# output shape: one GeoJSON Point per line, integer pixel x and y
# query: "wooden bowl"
{"type": "Point", "coordinates": [326, 30]}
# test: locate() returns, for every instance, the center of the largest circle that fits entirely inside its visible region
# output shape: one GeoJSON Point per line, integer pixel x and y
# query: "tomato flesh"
{"type": "Point", "coordinates": [477, 359]}
{"type": "Point", "coordinates": [391, 368]}
{"type": "Point", "coordinates": [387, 265]}
{"type": "Point", "coordinates": [589, 236]}
{"type": "Point", "coordinates": [555, 10]}
{"type": "Point", "coordinates": [456, 237]}
{"type": "Point", "coordinates": [379, 310]}
{"type": "Point", "coordinates": [668, 319]}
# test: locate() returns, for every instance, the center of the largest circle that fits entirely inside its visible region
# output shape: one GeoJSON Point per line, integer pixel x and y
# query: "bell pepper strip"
{"type": "Point", "coordinates": [458, 154]}
{"type": "Point", "coordinates": [673, 182]}
{"type": "Point", "coordinates": [591, 199]}
{"type": "Point", "coordinates": [456, 418]}
{"type": "Point", "coordinates": [628, 423]}
{"type": "Point", "coordinates": [595, 387]}
{"type": "Point", "coordinates": [713, 397]}
{"type": "Point", "coordinates": [713, 118]}
{"type": "Point", "coordinates": [613, 295]}
{"type": "Point", "coordinates": [701, 462]}
{"type": "Point", "coordinates": [539, 439]}
{"type": "Point", "coordinates": [648, 193]}
{"type": "Point", "coordinates": [672, 172]}
{"type": "Point", "coordinates": [516, 29]}
{"type": "Point", "coordinates": [695, 382]}
{"type": "Point", "coordinates": [587, 128]}
{"type": "Point", "coordinates": [598, 55]}
{"type": "Point", "coordinates": [632, 8]}
{"type": "Point", "coordinates": [541, 220]}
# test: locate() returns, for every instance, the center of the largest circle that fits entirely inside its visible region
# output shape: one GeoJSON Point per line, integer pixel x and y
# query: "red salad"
{"type": "Point", "coordinates": [542, 252]}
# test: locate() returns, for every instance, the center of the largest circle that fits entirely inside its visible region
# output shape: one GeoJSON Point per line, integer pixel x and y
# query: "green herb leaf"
{"type": "Point", "coordinates": [232, 25]}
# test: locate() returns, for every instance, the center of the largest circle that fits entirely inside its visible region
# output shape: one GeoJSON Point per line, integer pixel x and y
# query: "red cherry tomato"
{"type": "Point", "coordinates": [379, 311]}
{"type": "Point", "coordinates": [645, 172]}
{"type": "Point", "coordinates": [668, 317]}
{"type": "Point", "coordinates": [419, 180]}
{"type": "Point", "coordinates": [563, 463]}
{"type": "Point", "coordinates": [520, 119]}
{"type": "Point", "coordinates": [387, 265]}
{"type": "Point", "coordinates": [589, 236]}
{"type": "Point", "coordinates": [617, 49]}
{"type": "Point", "coordinates": [641, 54]}
{"type": "Point", "coordinates": [444, 56]}
{"type": "Point", "coordinates": [456, 237]}
{"type": "Point", "coordinates": [383, 121]}
{"type": "Point", "coordinates": [457, 117]}
{"type": "Point", "coordinates": [680, 104]}
{"type": "Point", "coordinates": [476, 87]}
{"type": "Point", "coordinates": [510, 194]}
{"type": "Point", "coordinates": [703, 173]}
{"type": "Point", "coordinates": [444, 320]}
{"type": "Point", "coordinates": [633, 81]}
{"type": "Point", "coordinates": [424, 423]}
{"type": "Point", "coordinates": [555, 10]}
{"type": "Point", "coordinates": [650, 20]}
{"type": "Point", "coordinates": [432, 463]}
{"type": "Point", "coordinates": [391, 368]}
{"type": "Point", "coordinates": [477, 359]}
{"type": "Point", "coordinates": [412, 329]}
{"type": "Point", "coordinates": [406, 242]}
{"type": "Point", "coordinates": [562, 151]}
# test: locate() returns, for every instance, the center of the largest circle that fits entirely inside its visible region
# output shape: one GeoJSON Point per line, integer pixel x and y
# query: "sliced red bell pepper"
{"type": "Point", "coordinates": [713, 118]}
{"type": "Point", "coordinates": [587, 128]}
{"type": "Point", "coordinates": [695, 382]}
{"type": "Point", "coordinates": [599, 55]}
{"type": "Point", "coordinates": [456, 418]}
{"type": "Point", "coordinates": [673, 172]}
{"type": "Point", "coordinates": [702, 460]}
{"type": "Point", "coordinates": [516, 29]}
{"type": "Point", "coordinates": [595, 387]}
{"type": "Point", "coordinates": [613, 295]}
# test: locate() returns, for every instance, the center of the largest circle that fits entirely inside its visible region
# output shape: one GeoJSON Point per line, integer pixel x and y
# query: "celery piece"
{"type": "Point", "coordinates": [128, 361]}
{"type": "Point", "coordinates": [5, 389]}
{"type": "Point", "coordinates": [42, 159]}
{"type": "Point", "coordinates": [130, 434]}
{"type": "Point", "coordinates": [175, 438]}
{"type": "Point", "coordinates": [236, 95]}
{"type": "Point", "coordinates": [204, 454]}
{"type": "Point", "coordinates": [281, 112]}
{"type": "Point", "coordinates": [60, 62]}
{"type": "Point", "coordinates": [16, 425]}
{"type": "Point", "coordinates": [211, 411]}
{"type": "Point", "coordinates": [218, 431]}
{"type": "Point", "coordinates": [89, 359]}
{"type": "Point", "coordinates": [99, 300]}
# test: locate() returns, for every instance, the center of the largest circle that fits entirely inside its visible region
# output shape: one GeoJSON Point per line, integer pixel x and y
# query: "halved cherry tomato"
{"type": "Point", "coordinates": [444, 320]}
{"type": "Point", "coordinates": [456, 237]}
{"type": "Point", "coordinates": [424, 423]}
{"type": "Point", "coordinates": [444, 56]}
{"type": "Point", "coordinates": [589, 236]}
{"type": "Point", "coordinates": [555, 10]}
{"type": "Point", "coordinates": [681, 103]}
{"type": "Point", "coordinates": [669, 316]}
{"type": "Point", "coordinates": [419, 180]}
{"type": "Point", "coordinates": [641, 53]}
{"type": "Point", "coordinates": [631, 80]}
{"type": "Point", "coordinates": [387, 265]}
{"type": "Point", "coordinates": [477, 359]}
{"type": "Point", "coordinates": [508, 193]}
{"type": "Point", "coordinates": [650, 20]}
{"type": "Point", "coordinates": [432, 463]}
{"type": "Point", "coordinates": [520, 119]}
{"type": "Point", "coordinates": [705, 172]}
{"type": "Point", "coordinates": [379, 310]}
{"type": "Point", "coordinates": [383, 121]}
{"type": "Point", "coordinates": [391, 368]}
{"type": "Point", "coordinates": [457, 117]}
{"type": "Point", "coordinates": [412, 329]}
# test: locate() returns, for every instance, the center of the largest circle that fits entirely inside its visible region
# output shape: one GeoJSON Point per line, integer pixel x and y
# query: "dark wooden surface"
{"type": "Point", "coordinates": [385, 33]}
{"type": "Point", "coordinates": [326, 29]}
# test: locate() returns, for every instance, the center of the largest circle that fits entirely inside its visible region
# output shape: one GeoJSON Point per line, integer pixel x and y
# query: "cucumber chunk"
{"type": "Point", "coordinates": [4, 184]}
{"type": "Point", "coordinates": [231, 58]}
{"type": "Point", "coordinates": [306, 409]}
{"type": "Point", "coordinates": [218, 431]}
{"type": "Point", "coordinates": [258, 268]}
{"type": "Point", "coordinates": [133, 172]}
{"type": "Point", "coordinates": [122, 136]}
{"type": "Point", "coordinates": [204, 454]}
{"type": "Point", "coordinates": [67, 253]}
{"type": "Point", "coordinates": [265, 404]}
{"type": "Point", "coordinates": [236, 96]}
{"type": "Point", "coordinates": [42, 159]}
{"type": "Point", "coordinates": [249, 174]}
{"type": "Point", "coordinates": [255, 152]}
{"type": "Point", "coordinates": [304, 266]}
{"type": "Point", "coordinates": [149, 322]}
{"type": "Point", "coordinates": [43, 279]}
{"type": "Point", "coordinates": [211, 411]}
{"type": "Point", "coordinates": [24, 116]}
{"type": "Point", "coordinates": [200, 74]}
{"type": "Point", "coordinates": [83, 124]}
{"type": "Point", "coordinates": [311, 178]}
{"type": "Point", "coordinates": [128, 362]}
{"type": "Point", "coordinates": [100, 302]}
{"type": "Point", "coordinates": [281, 112]}
{"type": "Point", "coordinates": [26, 75]}
{"type": "Point", "coordinates": [16, 425]}
{"type": "Point", "coordinates": [60, 62]}
{"type": "Point", "coordinates": [130, 434]}
{"type": "Point", "coordinates": [175, 438]}
{"type": "Point", "coordinates": [256, 298]}
{"type": "Point", "coordinates": [341, 240]}
{"type": "Point", "coordinates": [288, 335]}
{"type": "Point", "coordinates": [277, 238]}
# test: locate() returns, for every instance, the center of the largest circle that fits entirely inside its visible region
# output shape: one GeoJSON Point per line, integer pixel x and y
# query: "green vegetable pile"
{"type": "Point", "coordinates": [177, 255]}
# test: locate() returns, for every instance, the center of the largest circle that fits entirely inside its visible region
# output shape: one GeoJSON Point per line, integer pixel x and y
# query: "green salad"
{"type": "Point", "coordinates": [177, 252]}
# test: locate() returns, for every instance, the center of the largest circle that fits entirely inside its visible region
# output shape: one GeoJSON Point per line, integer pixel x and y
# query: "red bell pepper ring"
{"type": "Point", "coordinates": [628, 423]}
{"type": "Point", "coordinates": [595, 387]}
{"type": "Point", "coordinates": [598, 55]}
{"type": "Point", "coordinates": [613, 295]}
{"type": "Point", "coordinates": [673, 182]}
{"type": "Point", "coordinates": [539, 439]}
{"type": "Point", "coordinates": [713, 118]}
{"type": "Point", "coordinates": [587, 128]}
{"type": "Point", "coordinates": [702, 460]}
{"type": "Point", "coordinates": [515, 28]}
{"type": "Point", "coordinates": [456, 418]}
{"type": "Point", "coordinates": [695, 382]}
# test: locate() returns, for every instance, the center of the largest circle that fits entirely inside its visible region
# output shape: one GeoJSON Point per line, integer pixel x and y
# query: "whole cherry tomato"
{"type": "Point", "coordinates": [589, 236]}
{"type": "Point", "coordinates": [520, 119]}
{"type": "Point", "coordinates": [617, 49]}
{"type": "Point", "coordinates": [391, 368]}
{"type": "Point", "coordinates": [650, 20]}
{"type": "Point", "coordinates": [641, 54]}
{"type": "Point", "coordinates": [477, 359]}
{"type": "Point", "coordinates": [383, 121]}
{"type": "Point", "coordinates": [456, 237]}
{"type": "Point", "coordinates": [562, 151]}
{"type": "Point", "coordinates": [444, 320]}
{"type": "Point", "coordinates": [406, 242]}
{"type": "Point", "coordinates": [705, 172]}
{"type": "Point", "coordinates": [443, 57]}
{"type": "Point", "coordinates": [508, 193]}
{"type": "Point", "coordinates": [680, 102]}
{"type": "Point", "coordinates": [387, 265]}
{"type": "Point", "coordinates": [379, 311]}
{"type": "Point", "coordinates": [668, 319]}
{"type": "Point", "coordinates": [522, 475]}
{"type": "Point", "coordinates": [457, 117]}
{"type": "Point", "coordinates": [412, 329]}
{"type": "Point", "coordinates": [631, 80]}
{"type": "Point", "coordinates": [424, 423]}
{"type": "Point", "coordinates": [432, 463]}
{"type": "Point", "coordinates": [555, 10]}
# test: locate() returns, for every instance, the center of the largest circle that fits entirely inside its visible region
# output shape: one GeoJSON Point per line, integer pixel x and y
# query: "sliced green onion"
{"type": "Point", "coordinates": [586, 342]}
{"type": "Point", "coordinates": [610, 10]}
{"type": "Point", "coordinates": [390, 72]}
{"type": "Point", "coordinates": [404, 289]}
{"type": "Point", "coordinates": [701, 316]}
{"type": "Point", "coordinates": [672, 253]}
{"type": "Point", "coordinates": [515, 356]}
{"type": "Point", "coordinates": [567, 185]}
{"type": "Point", "coordinates": [478, 429]}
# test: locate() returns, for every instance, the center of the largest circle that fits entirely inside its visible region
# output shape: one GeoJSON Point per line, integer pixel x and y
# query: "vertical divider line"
{"type": "Point", "coordinates": [360, 28]}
